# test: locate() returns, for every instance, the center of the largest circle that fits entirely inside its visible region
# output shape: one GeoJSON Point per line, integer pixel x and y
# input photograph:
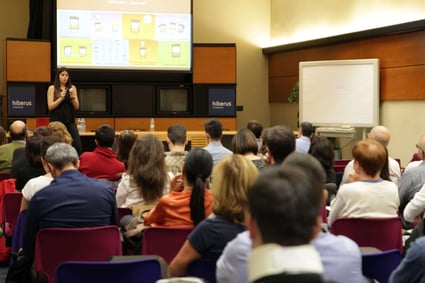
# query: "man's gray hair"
{"type": "Point", "coordinates": [61, 154]}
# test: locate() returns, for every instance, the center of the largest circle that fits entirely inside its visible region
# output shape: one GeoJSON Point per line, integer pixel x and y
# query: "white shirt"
{"type": "Point", "coordinates": [126, 193]}
{"type": "Point", "coordinates": [302, 144]}
{"type": "Point", "coordinates": [416, 206]}
{"type": "Point", "coordinates": [270, 259]}
{"type": "Point", "coordinates": [34, 185]}
{"type": "Point", "coordinates": [365, 199]}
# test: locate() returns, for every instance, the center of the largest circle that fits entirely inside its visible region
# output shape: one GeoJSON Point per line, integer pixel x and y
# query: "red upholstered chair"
{"type": "Point", "coordinates": [11, 207]}
{"type": "Point", "coordinates": [42, 121]}
{"type": "Point", "coordinates": [381, 233]}
{"type": "Point", "coordinates": [54, 246]}
{"type": "Point", "coordinates": [164, 241]}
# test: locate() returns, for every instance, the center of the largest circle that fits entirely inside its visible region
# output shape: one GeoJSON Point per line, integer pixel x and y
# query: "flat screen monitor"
{"type": "Point", "coordinates": [174, 100]}
{"type": "Point", "coordinates": [94, 100]}
{"type": "Point", "coordinates": [124, 34]}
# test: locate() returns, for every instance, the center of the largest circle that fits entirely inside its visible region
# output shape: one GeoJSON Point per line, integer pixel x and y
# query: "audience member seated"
{"type": "Point", "coordinates": [214, 132]}
{"type": "Point", "coordinates": [321, 149]}
{"type": "Point", "coordinates": [35, 184]}
{"type": "Point", "coordinates": [60, 130]}
{"type": "Point", "coordinates": [305, 131]}
{"type": "Point", "coordinates": [411, 182]}
{"type": "Point", "coordinates": [232, 177]}
{"type": "Point", "coordinates": [369, 196]}
{"type": "Point", "coordinates": [18, 134]}
{"type": "Point", "coordinates": [244, 143]}
{"type": "Point", "coordinates": [71, 200]}
{"type": "Point", "coordinates": [340, 256]}
{"type": "Point", "coordinates": [411, 268]}
{"type": "Point", "coordinates": [415, 209]}
{"type": "Point", "coordinates": [30, 166]}
{"type": "Point", "coordinates": [102, 163]}
{"type": "Point", "coordinates": [146, 178]}
{"type": "Point", "coordinates": [279, 142]}
{"type": "Point", "coordinates": [176, 140]}
{"type": "Point", "coordinates": [391, 170]}
{"type": "Point", "coordinates": [20, 159]}
{"type": "Point", "coordinates": [189, 201]}
{"type": "Point", "coordinates": [125, 142]}
{"type": "Point", "coordinates": [284, 217]}
{"type": "Point", "coordinates": [256, 128]}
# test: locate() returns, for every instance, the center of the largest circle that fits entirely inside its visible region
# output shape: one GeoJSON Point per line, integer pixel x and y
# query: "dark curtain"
{"type": "Point", "coordinates": [41, 20]}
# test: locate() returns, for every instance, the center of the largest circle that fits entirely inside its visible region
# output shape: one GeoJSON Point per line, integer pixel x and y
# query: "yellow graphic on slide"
{"type": "Point", "coordinates": [138, 26]}
{"type": "Point", "coordinates": [143, 52]}
{"type": "Point", "coordinates": [75, 51]}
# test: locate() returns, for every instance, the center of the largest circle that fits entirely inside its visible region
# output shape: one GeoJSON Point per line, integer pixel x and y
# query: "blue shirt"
{"type": "Point", "coordinates": [72, 200]}
{"type": "Point", "coordinates": [340, 256]}
{"type": "Point", "coordinates": [217, 151]}
{"type": "Point", "coordinates": [411, 268]}
{"type": "Point", "coordinates": [302, 144]}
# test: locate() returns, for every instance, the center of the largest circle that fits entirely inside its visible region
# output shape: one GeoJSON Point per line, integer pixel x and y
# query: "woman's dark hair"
{"type": "Point", "coordinates": [197, 168]}
{"type": "Point", "coordinates": [321, 148]}
{"type": "Point", "coordinates": [244, 142]}
{"type": "Point", "coordinates": [147, 169]}
{"type": "Point", "coordinates": [57, 83]}
{"type": "Point", "coordinates": [32, 150]}
{"type": "Point", "coordinates": [125, 142]}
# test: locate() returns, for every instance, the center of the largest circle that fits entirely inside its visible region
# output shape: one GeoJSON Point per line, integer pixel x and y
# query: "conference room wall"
{"type": "Point", "coordinates": [293, 21]}
{"type": "Point", "coordinates": [14, 17]}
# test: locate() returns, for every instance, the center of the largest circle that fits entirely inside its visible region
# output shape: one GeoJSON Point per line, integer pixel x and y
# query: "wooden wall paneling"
{"type": "Point", "coordinates": [140, 124]}
{"type": "Point", "coordinates": [162, 124]}
{"type": "Point", "coordinates": [28, 61]}
{"type": "Point", "coordinates": [93, 123]}
{"type": "Point", "coordinates": [193, 124]}
{"type": "Point", "coordinates": [214, 64]}
{"type": "Point", "coordinates": [403, 83]}
{"type": "Point", "coordinates": [280, 88]}
{"type": "Point", "coordinates": [402, 63]}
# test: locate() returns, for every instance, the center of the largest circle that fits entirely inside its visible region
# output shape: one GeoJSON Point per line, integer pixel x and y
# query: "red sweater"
{"type": "Point", "coordinates": [102, 163]}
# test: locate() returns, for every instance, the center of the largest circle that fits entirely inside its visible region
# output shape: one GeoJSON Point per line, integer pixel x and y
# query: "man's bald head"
{"type": "Point", "coordinates": [18, 130]}
{"type": "Point", "coordinates": [381, 134]}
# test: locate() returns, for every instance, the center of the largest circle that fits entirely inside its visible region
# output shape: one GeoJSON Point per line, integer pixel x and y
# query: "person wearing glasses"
{"type": "Point", "coordinates": [412, 181]}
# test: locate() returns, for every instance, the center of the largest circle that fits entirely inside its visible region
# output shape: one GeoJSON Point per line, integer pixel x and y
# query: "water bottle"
{"type": "Point", "coordinates": [152, 125]}
{"type": "Point", "coordinates": [82, 125]}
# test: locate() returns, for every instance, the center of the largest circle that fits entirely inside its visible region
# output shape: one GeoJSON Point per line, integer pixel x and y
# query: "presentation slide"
{"type": "Point", "coordinates": [124, 34]}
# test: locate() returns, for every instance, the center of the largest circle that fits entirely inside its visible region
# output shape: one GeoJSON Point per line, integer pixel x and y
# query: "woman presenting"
{"type": "Point", "coordinates": [62, 101]}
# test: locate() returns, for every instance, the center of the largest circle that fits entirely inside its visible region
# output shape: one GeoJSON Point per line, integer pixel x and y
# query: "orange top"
{"type": "Point", "coordinates": [174, 209]}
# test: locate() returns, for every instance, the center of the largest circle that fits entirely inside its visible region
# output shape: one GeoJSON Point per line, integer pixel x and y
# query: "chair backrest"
{"type": "Point", "coordinates": [123, 211]}
{"type": "Point", "coordinates": [146, 270]}
{"type": "Point", "coordinates": [54, 246]}
{"type": "Point", "coordinates": [381, 233]}
{"type": "Point", "coordinates": [42, 121]}
{"type": "Point", "coordinates": [342, 162]}
{"type": "Point", "coordinates": [164, 241]}
{"type": "Point", "coordinates": [203, 268]}
{"type": "Point", "coordinates": [379, 266]}
{"type": "Point", "coordinates": [11, 207]}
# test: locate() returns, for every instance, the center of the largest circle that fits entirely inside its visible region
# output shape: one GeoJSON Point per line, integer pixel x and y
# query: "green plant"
{"type": "Point", "coordinates": [293, 98]}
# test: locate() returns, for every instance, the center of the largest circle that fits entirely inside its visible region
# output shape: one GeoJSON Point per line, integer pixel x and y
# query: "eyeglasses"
{"type": "Point", "coordinates": [419, 147]}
